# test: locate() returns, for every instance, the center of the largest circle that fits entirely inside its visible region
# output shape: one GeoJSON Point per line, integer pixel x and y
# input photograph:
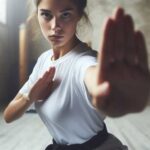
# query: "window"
{"type": "Point", "coordinates": [3, 11]}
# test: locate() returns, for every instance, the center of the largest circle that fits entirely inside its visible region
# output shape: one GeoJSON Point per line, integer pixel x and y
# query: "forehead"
{"type": "Point", "coordinates": [56, 4]}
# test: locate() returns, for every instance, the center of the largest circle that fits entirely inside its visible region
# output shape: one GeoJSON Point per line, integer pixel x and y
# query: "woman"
{"type": "Point", "coordinates": [72, 93]}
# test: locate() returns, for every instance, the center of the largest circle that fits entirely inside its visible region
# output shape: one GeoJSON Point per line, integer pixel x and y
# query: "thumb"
{"type": "Point", "coordinates": [100, 93]}
{"type": "Point", "coordinates": [102, 90]}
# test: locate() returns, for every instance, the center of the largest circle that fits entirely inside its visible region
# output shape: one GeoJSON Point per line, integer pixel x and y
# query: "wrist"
{"type": "Point", "coordinates": [27, 98]}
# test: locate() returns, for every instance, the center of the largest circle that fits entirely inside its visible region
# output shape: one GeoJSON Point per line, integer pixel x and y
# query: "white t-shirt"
{"type": "Point", "coordinates": [67, 113]}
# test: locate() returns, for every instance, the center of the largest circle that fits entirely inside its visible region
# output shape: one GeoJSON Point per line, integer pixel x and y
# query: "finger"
{"type": "Point", "coordinates": [141, 50]}
{"type": "Point", "coordinates": [102, 90]}
{"type": "Point", "coordinates": [119, 36]}
{"type": "Point", "coordinates": [118, 11]}
{"type": "Point", "coordinates": [39, 83]}
{"type": "Point", "coordinates": [106, 49]}
{"type": "Point", "coordinates": [51, 74]}
{"type": "Point", "coordinates": [45, 75]}
{"type": "Point", "coordinates": [100, 93]}
{"type": "Point", "coordinates": [130, 50]}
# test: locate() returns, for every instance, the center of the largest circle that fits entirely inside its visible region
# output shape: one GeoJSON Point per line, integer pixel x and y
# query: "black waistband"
{"type": "Point", "coordinates": [94, 142]}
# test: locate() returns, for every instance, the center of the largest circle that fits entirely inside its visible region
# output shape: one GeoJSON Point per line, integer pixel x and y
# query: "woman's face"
{"type": "Point", "coordinates": [58, 21]}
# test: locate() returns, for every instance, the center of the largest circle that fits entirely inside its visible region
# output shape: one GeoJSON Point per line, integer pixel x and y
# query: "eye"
{"type": "Point", "coordinates": [46, 15]}
{"type": "Point", "coordinates": [66, 15]}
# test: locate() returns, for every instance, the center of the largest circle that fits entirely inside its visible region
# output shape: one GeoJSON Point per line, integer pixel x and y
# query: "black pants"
{"type": "Point", "coordinates": [94, 142]}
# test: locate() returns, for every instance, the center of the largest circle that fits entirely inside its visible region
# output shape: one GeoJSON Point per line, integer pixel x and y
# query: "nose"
{"type": "Point", "coordinates": [55, 24]}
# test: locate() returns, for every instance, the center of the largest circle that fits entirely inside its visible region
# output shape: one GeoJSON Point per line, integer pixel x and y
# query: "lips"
{"type": "Point", "coordinates": [55, 37]}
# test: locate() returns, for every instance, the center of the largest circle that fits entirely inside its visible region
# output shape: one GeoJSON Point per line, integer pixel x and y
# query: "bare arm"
{"type": "Point", "coordinates": [96, 91]}
{"type": "Point", "coordinates": [121, 82]}
{"type": "Point", "coordinates": [16, 108]}
{"type": "Point", "coordinates": [91, 82]}
{"type": "Point", "coordinates": [40, 91]}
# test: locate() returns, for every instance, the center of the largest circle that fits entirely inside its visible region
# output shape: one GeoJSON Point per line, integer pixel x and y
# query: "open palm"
{"type": "Point", "coordinates": [123, 64]}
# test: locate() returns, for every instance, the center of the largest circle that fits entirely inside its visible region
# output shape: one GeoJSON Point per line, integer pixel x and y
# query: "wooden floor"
{"type": "Point", "coordinates": [29, 133]}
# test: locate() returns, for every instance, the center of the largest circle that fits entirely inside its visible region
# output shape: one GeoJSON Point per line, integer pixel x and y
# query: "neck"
{"type": "Point", "coordinates": [61, 51]}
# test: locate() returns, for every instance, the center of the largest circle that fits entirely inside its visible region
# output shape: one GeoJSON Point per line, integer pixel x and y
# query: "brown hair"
{"type": "Point", "coordinates": [80, 4]}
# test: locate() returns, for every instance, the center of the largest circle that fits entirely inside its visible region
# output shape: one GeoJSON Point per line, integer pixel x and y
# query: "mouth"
{"type": "Point", "coordinates": [55, 37]}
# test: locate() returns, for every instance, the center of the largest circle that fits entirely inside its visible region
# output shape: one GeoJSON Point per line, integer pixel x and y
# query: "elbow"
{"type": "Point", "coordinates": [7, 120]}
{"type": "Point", "coordinates": [10, 116]}
{"type": "Point", "coordinates": [7, 117]}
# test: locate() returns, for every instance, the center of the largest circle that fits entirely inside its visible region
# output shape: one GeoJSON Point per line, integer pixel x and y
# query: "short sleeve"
{"type": "Point", "coordinates": [81, 66]}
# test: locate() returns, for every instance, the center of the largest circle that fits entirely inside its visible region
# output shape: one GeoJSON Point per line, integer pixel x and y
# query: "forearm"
{"type": "Point", "coordinates": [90, 79]}
{"type": "Point", "coordinates": [16, 108]}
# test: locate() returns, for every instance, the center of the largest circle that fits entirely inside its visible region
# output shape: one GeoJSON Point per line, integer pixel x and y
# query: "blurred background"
{"type": "Point", "coordinates": [21, 43]}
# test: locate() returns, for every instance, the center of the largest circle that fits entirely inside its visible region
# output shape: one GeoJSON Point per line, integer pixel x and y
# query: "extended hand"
{"type": "Point", "coordinates": [123, 65]}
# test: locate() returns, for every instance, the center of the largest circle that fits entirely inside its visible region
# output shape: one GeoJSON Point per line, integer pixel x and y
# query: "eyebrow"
{"type": "Point", "coordinates": [45, 10]}
{"type": "Point", "coordinates": [66, 9]}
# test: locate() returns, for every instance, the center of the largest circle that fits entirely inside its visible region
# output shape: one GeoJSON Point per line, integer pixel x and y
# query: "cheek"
{"type": "Point", "coordinates": [42, 23]}
{"type": "Point", "coordinates": [71, 27]}
{"type": "Point", "coordinates": [43, 27]}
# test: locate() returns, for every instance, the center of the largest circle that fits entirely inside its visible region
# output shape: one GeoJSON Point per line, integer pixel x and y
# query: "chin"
{"type": "Point", "coordinates": [57, 44]}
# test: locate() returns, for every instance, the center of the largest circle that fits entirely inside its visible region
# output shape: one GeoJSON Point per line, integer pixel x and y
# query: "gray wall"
{"type": "Point", "coordinates": [101, 9]}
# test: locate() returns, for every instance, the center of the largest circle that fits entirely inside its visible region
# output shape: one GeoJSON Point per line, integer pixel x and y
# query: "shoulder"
{"type": "Point", "coordinates": [90, 53]}
{"type": "Point", "coordinates": [86, 59]}
{"type": "Point", "coordinates": [86, 54]}
{"type": "Point", "coordinates": [45, 54]}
